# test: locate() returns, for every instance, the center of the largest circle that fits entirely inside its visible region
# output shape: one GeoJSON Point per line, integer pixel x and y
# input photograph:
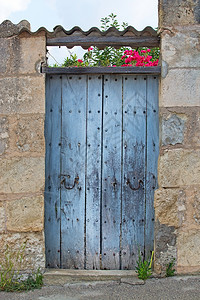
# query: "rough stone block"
{"type": "Point", "coordinates": [4, 55]}
{"type": "Point", "coordinates": [22, 133]}
{"type": "Point", "coordinates": [181, 50]}
{"type": "Point", "coordinates": [29, 133]}
{"type": "Point", "coordinates": [25, 214]}
{"type": "Point", "coordinates": [33, 52]}
{"type": "Point", "coordinates": [25, 55]}
{"type": "Point", "coordinates": [179, 167]}
{"type": "Point", "coordinates": [180, 88]}
{"type": "Point", "coordinates": [173, 130]}
{"type": "Point", "coordinates": [4, 134]}
{"type": "Point", "coordinates": [165, 246]}
{"type": "Point", "coordinates": [196, 205]}
{"type": "Point", "coordinates": [178, 12]}
{"type": "Point", "coordinates": [193, 129]}
{"type": "Point", "coordinates": [22, 95]}
{"type": "Point", "coordinates": [192, 216]}
{"type": "Point", "coordinates": [188, 249]}
{"type": "Point", "coordinates": [34, 250]}
{"type": "Point", "coordinates": [2, 217]}
{"type": "Point", "coordinates": [180, 125]}
{"type": "Point", "coordinates": [22, 174]}
{"type": "Point", "coordinates": [170, 206]}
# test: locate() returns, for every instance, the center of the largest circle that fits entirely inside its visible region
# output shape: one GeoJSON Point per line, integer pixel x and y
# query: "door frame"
{"type": "Point", "coordinates": [112, 37]}
{"type": "Point", "coordinates": [108, 71]}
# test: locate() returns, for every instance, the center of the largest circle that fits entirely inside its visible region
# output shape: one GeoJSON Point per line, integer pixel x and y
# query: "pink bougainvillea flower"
{"type": "Point", "coordinates": [149, 64]}
{"type": "Point", "coordinates": [80, 61]}
{"type": "Point", "coordinates": [139, 64]}
{"type": "Point", "coordinates": [90, 48]}
{"type": "Point", "coordinates": [148, 58]}
{"type": "Point", "coordinates": [155, 63]}
{"type": "Point", "coordinates": [128, 59]}
{"type": "Point", "coordinates": [133, 58]}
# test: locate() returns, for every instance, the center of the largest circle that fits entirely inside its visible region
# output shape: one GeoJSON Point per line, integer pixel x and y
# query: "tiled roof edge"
{"type": "Point", "coordinates": [7, 28]}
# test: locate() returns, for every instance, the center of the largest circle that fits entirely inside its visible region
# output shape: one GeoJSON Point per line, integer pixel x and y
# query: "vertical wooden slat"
{"type": "Point", "coordinates": [111, 171]}
{"type": "Point", "coordinates": [52, 182]}
{"type": "Point", "coordinates": [72, 165]}
{"type": "Point", "coordinates": [152, 158]}
{"type": "Point", "coordinates": [93, 178]}
{"type": "Point", "coordinates": [134, 137]}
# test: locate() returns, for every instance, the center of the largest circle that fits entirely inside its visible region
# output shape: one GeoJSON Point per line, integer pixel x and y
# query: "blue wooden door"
{"type": "Point", "coordinates": [101, 170]}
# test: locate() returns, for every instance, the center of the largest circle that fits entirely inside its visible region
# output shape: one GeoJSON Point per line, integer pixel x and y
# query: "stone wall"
{"type": "Point", "coordinates": [177, 201]}
{"type": "Point", "coordinates": [22, 150]}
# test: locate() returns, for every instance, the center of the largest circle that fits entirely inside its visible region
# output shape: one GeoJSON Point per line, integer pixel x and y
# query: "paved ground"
{"type": "Point", "coordinates": [184, 288]}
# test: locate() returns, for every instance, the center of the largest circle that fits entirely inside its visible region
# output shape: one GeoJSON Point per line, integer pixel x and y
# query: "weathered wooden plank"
{"type": "Point", "coordinates": [73, 158]}
{"type": "Point", "coordinates": [93, 178]}
{"type": "Point", "coordinates": [111, 171]}
{"type": "Point", "coordinates": [152, 158]}
{"type": "Point", "coordinates": [52, 182]}
{"type": "Point", "coordinates": [102, 70]}
{"type": "Point", "coordinates": [134, 137]}
{"type": "Point", "coordinates": [104, 41]}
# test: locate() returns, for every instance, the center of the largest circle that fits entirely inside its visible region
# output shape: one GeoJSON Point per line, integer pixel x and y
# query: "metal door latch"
{"type": "Point", "coordinates": [140, 183]}
{"type": "Point", "coordinates": [76, 181]}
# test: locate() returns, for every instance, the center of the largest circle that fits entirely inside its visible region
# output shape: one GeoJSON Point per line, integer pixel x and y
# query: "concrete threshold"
{"type": "Point", "coordinates": [65, 276]}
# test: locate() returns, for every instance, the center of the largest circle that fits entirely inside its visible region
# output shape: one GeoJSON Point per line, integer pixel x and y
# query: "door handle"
{"type": "Point", "coordinates": [76, 181]}
{"type": "Point", "coordinates": [140, 183]}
